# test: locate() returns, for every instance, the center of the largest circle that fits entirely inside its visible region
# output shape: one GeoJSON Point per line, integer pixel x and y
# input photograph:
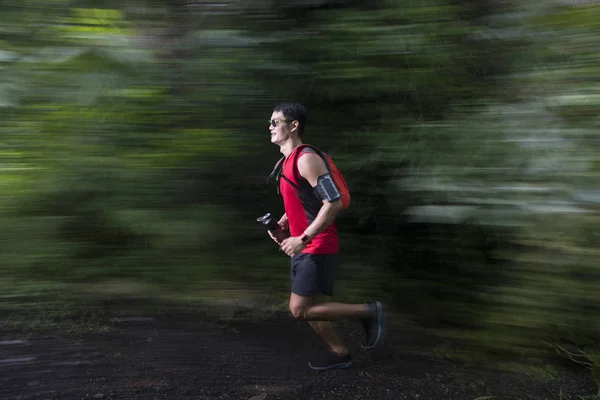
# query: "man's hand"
{"type": "Point", "coordinates": [292, 245]}
{"type": "Point", "coordinates": [283, 223]}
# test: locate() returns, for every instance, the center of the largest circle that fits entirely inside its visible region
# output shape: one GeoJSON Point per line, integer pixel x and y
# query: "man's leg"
{"type": "Point", "coordinates": [325, 330]}
{"type": "Point", "coordinates": [332, 311]}
{"type": "Point", "coordinates": [298, 305]}
{"type": "Point", "coordinates": [338, 357]}
{"type": "Point", "coordinates": [312, 274]}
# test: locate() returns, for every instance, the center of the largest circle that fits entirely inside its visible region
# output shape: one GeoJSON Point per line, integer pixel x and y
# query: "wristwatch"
{"type": "Point", "coordinates": [305, 239]}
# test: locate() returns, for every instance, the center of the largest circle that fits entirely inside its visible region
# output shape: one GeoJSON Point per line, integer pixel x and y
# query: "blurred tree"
{"type": "Point", "coordinates": [135, 145]}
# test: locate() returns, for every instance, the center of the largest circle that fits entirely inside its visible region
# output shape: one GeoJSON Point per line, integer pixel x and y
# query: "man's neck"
{"type": "Point", "coordinates": [289, 146]}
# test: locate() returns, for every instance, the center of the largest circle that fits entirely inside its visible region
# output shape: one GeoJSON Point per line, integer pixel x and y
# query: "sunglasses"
{"type": "Point", "coordinates": [274, 122]}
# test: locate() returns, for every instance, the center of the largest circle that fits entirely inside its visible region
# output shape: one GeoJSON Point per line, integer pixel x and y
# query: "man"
{"type": "Point", "coordinates": [314, 245]}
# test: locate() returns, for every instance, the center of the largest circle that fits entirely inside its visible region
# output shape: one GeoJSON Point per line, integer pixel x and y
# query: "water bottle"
{"type": "Point", "coordinates": [273, 227]}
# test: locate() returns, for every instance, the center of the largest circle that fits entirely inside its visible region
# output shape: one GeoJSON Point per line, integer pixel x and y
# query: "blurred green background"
{"type": "Point", "coordinates": [134, 151]}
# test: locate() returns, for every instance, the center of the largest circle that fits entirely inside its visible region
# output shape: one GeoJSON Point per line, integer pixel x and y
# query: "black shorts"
{"type": "Point", "coordinates": [312, 274]}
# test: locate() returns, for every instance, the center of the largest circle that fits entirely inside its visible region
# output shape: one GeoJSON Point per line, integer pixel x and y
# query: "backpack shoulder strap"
{"type": "Point", "coordinates": [277, 170]}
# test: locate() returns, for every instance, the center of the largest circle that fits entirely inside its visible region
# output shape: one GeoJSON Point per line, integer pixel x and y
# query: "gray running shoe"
{"type": "Point", "coordinates": [373, 324]}
{"type": "Point", "coordinates": [327, 360]}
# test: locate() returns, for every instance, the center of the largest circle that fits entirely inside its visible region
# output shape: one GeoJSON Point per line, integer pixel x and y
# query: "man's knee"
{"type": "Point", "coordinates": [298, 310]}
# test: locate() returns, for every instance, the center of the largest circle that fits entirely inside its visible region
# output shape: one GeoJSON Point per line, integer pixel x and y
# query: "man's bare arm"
{"type": "Point", "coordinates": [311, 166]}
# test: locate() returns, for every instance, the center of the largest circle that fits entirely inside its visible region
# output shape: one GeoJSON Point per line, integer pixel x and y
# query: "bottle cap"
{"type": "Point", "coordinates": [264, 219]}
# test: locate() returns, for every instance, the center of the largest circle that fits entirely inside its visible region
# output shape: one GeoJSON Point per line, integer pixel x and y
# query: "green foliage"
{"type": "Point", "coordinates": [134, 147]}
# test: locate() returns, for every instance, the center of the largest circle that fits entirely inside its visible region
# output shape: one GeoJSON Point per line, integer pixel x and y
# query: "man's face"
{"type": "Point", "coordinates": [282, 129]}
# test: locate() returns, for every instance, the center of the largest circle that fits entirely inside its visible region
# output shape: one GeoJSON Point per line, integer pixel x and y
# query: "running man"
{"type": "Point", "coordinates": [310, 209]}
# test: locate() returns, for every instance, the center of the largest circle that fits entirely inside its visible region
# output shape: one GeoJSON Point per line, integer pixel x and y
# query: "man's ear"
{"type": "Point", "coordinates": [295, 124]}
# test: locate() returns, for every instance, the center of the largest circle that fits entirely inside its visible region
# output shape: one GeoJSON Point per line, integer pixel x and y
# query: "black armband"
{"type": "Point", "coordinates": [326, 188]}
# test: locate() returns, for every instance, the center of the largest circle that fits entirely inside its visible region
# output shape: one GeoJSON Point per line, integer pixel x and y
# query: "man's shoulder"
{"type": "Point", "coordinates": [309, 159]}
{"type": "Point", "coordinates": [307, 149]}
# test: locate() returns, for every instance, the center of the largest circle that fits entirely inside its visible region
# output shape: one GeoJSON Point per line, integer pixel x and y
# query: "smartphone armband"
{"type": "Point", "coordinates": [326, 188]}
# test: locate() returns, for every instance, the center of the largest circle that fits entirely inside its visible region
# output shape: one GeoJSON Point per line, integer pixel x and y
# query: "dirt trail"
{"type": "Point", "coordinates": [194, 357]}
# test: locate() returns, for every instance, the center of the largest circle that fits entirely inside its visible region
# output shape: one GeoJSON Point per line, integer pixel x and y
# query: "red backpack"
{"type": "Point", "coordinates": [335, 173]}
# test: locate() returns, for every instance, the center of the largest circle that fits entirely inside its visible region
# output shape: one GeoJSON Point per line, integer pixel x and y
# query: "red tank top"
{"type": "Point", "coordinates": [302, 206]}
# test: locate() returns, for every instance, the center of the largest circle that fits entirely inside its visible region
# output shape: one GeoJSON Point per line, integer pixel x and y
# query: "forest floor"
{"type": "Point", "coordinates": [251, 354]}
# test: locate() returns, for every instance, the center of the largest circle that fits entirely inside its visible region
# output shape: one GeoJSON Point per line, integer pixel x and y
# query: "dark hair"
{"type": "Point", "coordinates": [295, 112]}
